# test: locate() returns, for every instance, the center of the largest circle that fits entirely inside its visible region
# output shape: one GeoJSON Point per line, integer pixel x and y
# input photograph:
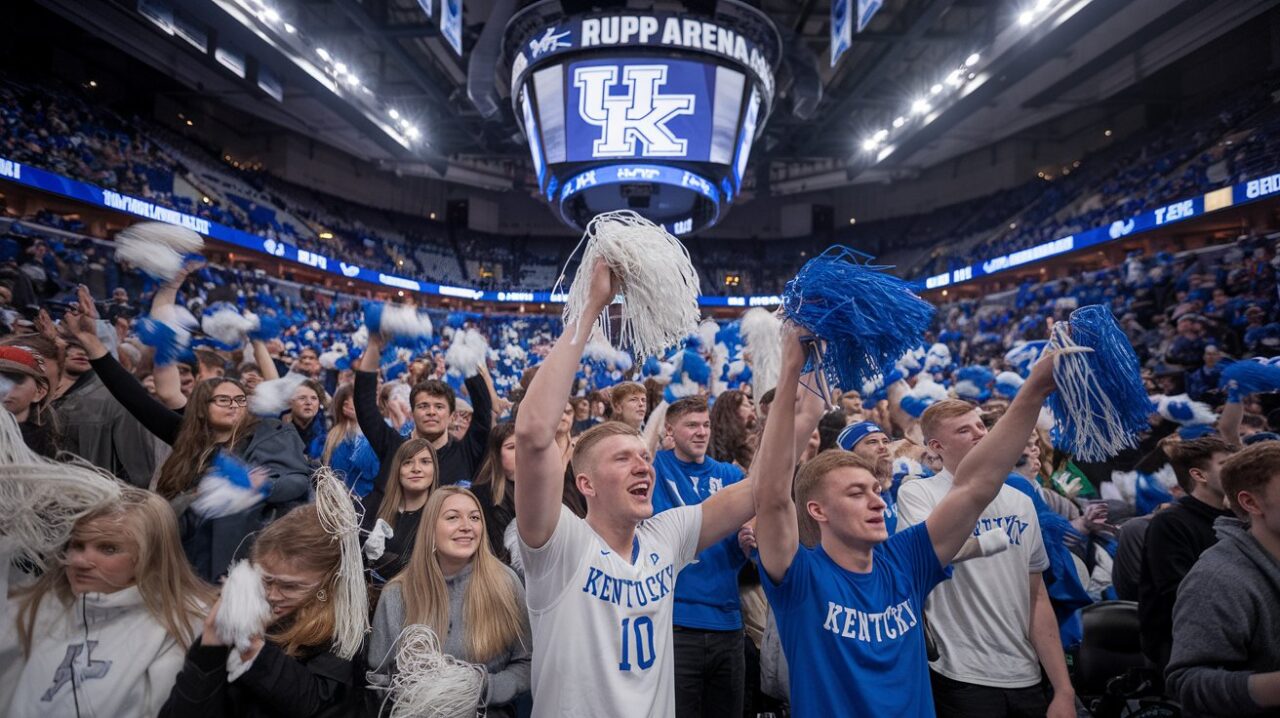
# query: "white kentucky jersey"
{"type": "Point", "coordinates": [602, 622]}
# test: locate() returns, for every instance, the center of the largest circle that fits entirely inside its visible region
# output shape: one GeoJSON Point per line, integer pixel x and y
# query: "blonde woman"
{"type": "Point", "coordinates": [292, 669]}
{"type": "Point", "coordinates": [410, 481]}
{"type": "Point", "coordinates": [345, 449]}
{"type": "Point", "coordinates": [454, 585]}
{"type": "Point", "coordinates": [104, 633]}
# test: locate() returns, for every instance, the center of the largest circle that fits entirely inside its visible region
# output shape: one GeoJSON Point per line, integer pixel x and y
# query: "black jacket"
{"type": "Point", "coordinates": [319, 684]}
{"type": "Point", "coordinates": [1175, 539]}
{"type": "Point", "coordinates": [459, 460]}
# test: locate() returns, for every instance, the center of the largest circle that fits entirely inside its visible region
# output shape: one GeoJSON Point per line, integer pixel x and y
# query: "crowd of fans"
{"type": "Point", "coordinates": [429, 444]}
{"type": "Point", "coordinates": [1227, 140]}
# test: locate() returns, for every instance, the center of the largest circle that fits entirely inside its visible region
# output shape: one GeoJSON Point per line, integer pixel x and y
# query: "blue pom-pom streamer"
{"type": "Point", "coordinates": [1243, 378]}
{"type": "Point", "coordinates": [974, 382]}
{"type": "Point", "coordinates": [1101, 404]}
{"type": "Point", "coordinates": [373, 316]}
{"type": "Point", "coordinates": [170, 345]}
{"type": "Point", "coordinates": [695, 367]}
{"type": "Point", "coordinates": [268, 328]}
{"type": "Point", "coordinates": [867, 317]}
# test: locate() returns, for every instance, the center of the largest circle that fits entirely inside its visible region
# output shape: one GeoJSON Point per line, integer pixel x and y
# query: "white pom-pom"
{"type": "Point", "coordinates": [1182, 410]}
{"type": "Point", "coordinates": [466, 352]}
{"type": "Point", "coordinates": [360, 338]}
{"type": "Point", "coordinates": [272, 398]}
{"type": "Point", "coordinates": [938, 357]}
{"type": "Point", "coordinates": [427, 682]}
{"type": "Point", "coordinates": [656, 279]}
{"type": "Point", "coordinates": [707, 331]}
{"type": "Point", "coordinates": [993, 542]}
{"type": "Point", "coordinates": [761, 332]}
{"type": "Point", "coordinates": [514, 353]}
{"type": "Point", "coordinates": [336, 508]}
{"type": "Point", "coordinates": [227, 325]}
{"type": "Point", "coordinates": [399, 320]}
{"type": "Point", "coordinates": [41, 500]}
{"type": "Point", "coordinates": [329, 359]}
{"type": "Point", "coordinates": [376, 543]}
{"type": "Point", "coordinates": [244, 611]}
{"type": "Point", "coordinates": [158, 261]}
{"type": "Point", "coordinates": [179, 239]}
{"type": "Point", "coordinates": [218, 495]}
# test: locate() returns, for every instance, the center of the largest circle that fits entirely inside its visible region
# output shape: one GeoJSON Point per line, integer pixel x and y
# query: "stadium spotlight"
{"type": "Point", "coordinates": [881, 135]}
{"type": "Point", "coordinates": [937, 88]}
{"type": "Point", "coordinates": [920, 106]}
{"type": "Point", "coordinates": [412, 132]}
{"type": "Point", "coordinates": [955, 78]}
{"type": "Point", "coordinates": [870, 144]}
{"type": "Point", "coordinates": [1026, 17]}
{"type": "Point", "coordinates": [290, 28]}
{"type": "Point", "coordinates": [885, 152]}
{"type": "Point", "coordinates": [340, 68]}
{"type": "Point", "coordinates": [271, 15]}
{"type": "Point", "coordinates": [394, 115]}
{"type": "Point", "coordinates": [899, 122]}
{"type": "Point", "coordinates": [972, 60]}
{"type": "Point", "coordinates": [324, 54]}
{"type": "Point", "coordinates": [353, 80]}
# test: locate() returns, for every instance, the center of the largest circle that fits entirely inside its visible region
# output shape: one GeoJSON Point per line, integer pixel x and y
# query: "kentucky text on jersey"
{"type": "Point", "coordinates": [890, 624]}
{"type": "Point", "coordinates": [1012, 525]}
{"type": "Point", "coordinates": [612, 589]}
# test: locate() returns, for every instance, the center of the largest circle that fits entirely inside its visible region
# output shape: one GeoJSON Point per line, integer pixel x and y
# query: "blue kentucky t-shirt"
{"type": "Point", "coordinates": [707, 592]}
{"type": "Point", "coordinates": [854, 642]}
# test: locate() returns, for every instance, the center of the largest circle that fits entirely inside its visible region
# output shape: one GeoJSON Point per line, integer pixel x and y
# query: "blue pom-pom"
{"type": "Point", "coordinates": [693, 366]}
{"type": "Point", "coordinates": [268, 327]}
{"type": "Point", "coordinates": [232, 469]}
{"type": "Point", "coordinates": [652, 367]}
{"type": "Point", "coordinates": [974, 382]}
{"type": "Point", "coordinates": [1249, 377]}
{"type": "Point", "coordinates": [373, 316]}
{"type": "Point", "coordinates": [1101, 404]}
{"type": "Point", "coordinates": [867, 317]}
{"type": "Point", "coordinates": [170, 345]}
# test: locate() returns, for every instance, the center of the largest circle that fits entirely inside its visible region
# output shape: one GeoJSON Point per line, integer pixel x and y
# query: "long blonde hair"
{"type": "Point", "coordinates": [170, 590]}
{"type": "Point", "coordinates": [492, 616]}
{"type": "Point", "coordinates": [343, 428]}
{"type": "Point", "coordinates": [393, 493]}
{"type": "Point", "coordinates": [301, 541]}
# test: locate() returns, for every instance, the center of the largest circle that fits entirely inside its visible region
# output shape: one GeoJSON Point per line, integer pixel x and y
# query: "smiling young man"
{"type": "Point", "coordinates": [849, 610]}
{"type": "Point", "coordinates": [600, 589]}
{"type": "Point", "coordinates": [993, 621]}
{"type": "Point", "coordinates": [432, 403]}
{"type": "Point", "coordinates": [710, 663]}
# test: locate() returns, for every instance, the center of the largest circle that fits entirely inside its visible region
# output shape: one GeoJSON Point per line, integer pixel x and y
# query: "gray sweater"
{"type": "Point", "coordinates": [508, 672]}
{"type": "Point", "coordinates": [1226, 625]}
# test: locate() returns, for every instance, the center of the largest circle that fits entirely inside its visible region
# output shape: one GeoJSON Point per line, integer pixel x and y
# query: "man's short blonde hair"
{"type": "Point", "coordinates": [931, 420]}
{"type": "Point", "coordinates": [811, 479]}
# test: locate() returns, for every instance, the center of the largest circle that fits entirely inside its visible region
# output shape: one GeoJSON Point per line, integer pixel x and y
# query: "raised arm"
{"type": "Point", "coordinates": [539, 468]}
{"type": "Point", "coordinates": [262, 357]}
{"type": "Point", "coordinates": [777, 534]}
{"type": "Point", "coordinates": [167, 379]}
{"type": "Point", "coordinates": [1229, 421]}
{"type": "Point", "coordinates": [365, 397]}
{"type": "Point", "coordinates": [982, 473]}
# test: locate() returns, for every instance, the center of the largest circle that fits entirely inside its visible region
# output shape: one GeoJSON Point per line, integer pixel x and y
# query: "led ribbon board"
{"type": "Point", "coordinates": [652, 112]}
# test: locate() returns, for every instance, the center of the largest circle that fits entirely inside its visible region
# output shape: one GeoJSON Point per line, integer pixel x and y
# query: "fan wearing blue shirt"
{"type": "Point", "coordinates": [850, 609]}
{"type": "Point", "coordinates": [867, 440]}
{"type": "Point", "coordinates": [708, 639]}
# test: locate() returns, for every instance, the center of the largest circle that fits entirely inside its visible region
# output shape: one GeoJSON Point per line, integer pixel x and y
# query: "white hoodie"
{"type": "Point", "coordinates": [104, 656]}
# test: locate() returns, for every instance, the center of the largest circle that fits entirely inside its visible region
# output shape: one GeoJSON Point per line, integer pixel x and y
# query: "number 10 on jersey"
{"type": "Point", "coordinates": [639, 632]}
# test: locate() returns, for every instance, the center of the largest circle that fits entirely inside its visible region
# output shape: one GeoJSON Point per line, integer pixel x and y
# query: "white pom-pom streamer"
{"type": "Point", "coordinates": [179, 239]}
{"type": "Point", "coordinates": [761, 332]}
{"type": "Point", "coordinates": [399, 320]}
{"type": "Point", "coordinates": [158, 261]}
{"type": "Point", "coordinates": [243, 612]}
{"type": "Point", "coordinates": [376, 543]}
{"type": "Point", "coordinates": [656, 279]}
{"type": "Point", "coordinates": [360, 337]}
{"type": "Point", "coordinates": [329, 359]}
{"type": "Point", "coordinates": [228, 326]}
{"type": "Point", "coordinates": [272, 398]}
{"type": "Point", "coordinates": [336, 508]}
{"type": "Point", "coordinates": [466, 352]}
{"type": "Point", "coordinates": [429, 683]}
{"type": "Point", "coordinates": [41, 500]}
{"type": "Point", "coordinates": [217, 496]}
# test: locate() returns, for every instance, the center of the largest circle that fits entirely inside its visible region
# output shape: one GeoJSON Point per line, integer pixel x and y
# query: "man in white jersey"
{"type": "Point", "coordinates": [849, 609]}
{"type": "Point", "coordinates": [993, 621]}
{"type": "Point", "coordinates": [601, 590]}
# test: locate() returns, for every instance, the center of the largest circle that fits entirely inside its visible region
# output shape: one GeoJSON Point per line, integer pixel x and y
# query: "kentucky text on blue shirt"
{"type": "Point", "coordinates": [891, 623]}
{"type": "Point", "coordinates": [636, 593]}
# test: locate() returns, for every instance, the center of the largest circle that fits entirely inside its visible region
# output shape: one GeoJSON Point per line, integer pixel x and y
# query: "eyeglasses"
{"type": "Point", "coordinates": [288, 589]}
{"type": "Point", "coordinates": [225, 401]}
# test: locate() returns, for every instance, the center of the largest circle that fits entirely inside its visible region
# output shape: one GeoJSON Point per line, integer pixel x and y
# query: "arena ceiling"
{"type": "Point", "coordinates": [1030, 73]}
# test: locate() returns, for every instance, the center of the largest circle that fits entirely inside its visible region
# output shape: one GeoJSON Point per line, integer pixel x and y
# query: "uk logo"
{"type": "Point", "coordinates": [640, 115]}
{"type": "Point", "coordinates": [550, 41]}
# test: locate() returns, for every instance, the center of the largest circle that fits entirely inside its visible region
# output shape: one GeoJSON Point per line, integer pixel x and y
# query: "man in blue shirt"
{"type": "Point", "coordinates": [849, 610]}
{"type": "Point", "coordinates": [710, 671]}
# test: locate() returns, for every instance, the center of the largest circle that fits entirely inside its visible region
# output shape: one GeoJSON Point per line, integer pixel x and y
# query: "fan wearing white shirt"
{"type": "Point", "coordinates": [601, 589]}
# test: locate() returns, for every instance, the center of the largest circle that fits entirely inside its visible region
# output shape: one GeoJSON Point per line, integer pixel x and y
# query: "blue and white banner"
{"type": "Point", "coordinates": [1250, 191]}
{"type": "Point", "coordinates": [640, 109]}
{"type": "Point", "coordinates": [841, 28]}
{"type": "Point", "coordinates": [428, 7]}
{"type": "Point", "coordinates": [866, 9]}
{"type": "Point", "coordinates": [451, 23]}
